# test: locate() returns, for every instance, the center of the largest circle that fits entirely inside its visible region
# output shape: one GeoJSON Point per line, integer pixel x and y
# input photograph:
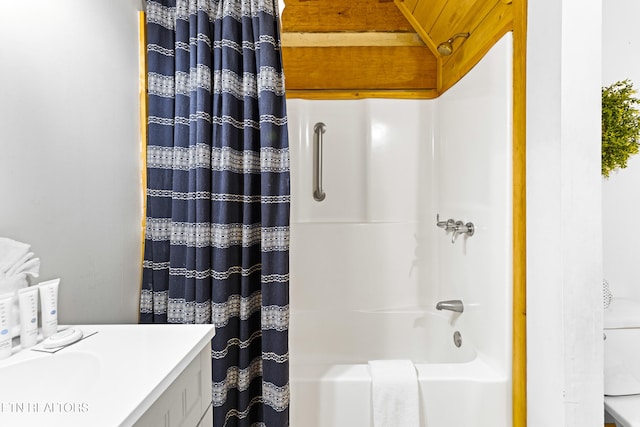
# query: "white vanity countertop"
{"type": "Point", "coordinates": [108, 379]}
{"type": "Point", "coordinates": [625, 409]}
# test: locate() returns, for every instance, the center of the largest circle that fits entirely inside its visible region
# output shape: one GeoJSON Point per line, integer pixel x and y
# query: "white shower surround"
{"type": "Point", "coordinates": [368, 263]}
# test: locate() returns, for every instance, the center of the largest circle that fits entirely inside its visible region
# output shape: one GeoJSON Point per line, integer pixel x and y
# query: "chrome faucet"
{"type": "Point", "coordinates": [458, 227]}
{"type": "Point", "coordinates": [448, 225]}
{"type": "Point", "coordinates": [462, 228]}
{"type": "Point", "coordinates": [451, 305]}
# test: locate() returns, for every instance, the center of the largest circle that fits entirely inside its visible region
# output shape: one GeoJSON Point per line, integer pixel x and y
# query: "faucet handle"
{"type": "Point", "coordinates": [461, 228]}
{"type": "Point", "coordinates": [448, 225]}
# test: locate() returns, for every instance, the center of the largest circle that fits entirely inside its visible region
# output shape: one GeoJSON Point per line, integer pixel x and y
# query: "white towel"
{"type": "Point", "coordinates": [394, 393]}
{"type": "Point", "coordinates": [28, 268]}
{"type": "Point", "coordinates": [11, 252]}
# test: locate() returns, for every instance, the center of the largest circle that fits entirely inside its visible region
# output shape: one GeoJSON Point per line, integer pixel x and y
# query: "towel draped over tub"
{"type": "Point", "coordinates": [394, 393]}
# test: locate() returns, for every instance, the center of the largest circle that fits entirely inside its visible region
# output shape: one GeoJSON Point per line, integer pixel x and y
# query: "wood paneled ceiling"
{"type": "Point", "coordinates": [385, 48]}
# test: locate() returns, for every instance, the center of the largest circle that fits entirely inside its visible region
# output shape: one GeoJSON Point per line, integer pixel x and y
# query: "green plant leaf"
{"type": "Point", "coordinates": [620, 126]}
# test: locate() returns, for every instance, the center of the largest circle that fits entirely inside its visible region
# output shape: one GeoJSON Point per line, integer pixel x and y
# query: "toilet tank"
{"type": "Point", "coordinates": [622, 347]}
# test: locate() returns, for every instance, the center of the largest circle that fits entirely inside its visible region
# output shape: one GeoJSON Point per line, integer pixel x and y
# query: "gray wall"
{"type": "Point", "coordinates": [70, 168]}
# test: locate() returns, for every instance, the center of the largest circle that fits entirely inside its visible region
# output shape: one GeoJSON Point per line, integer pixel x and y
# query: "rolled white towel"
{"type": "Point", "coordinates": [19, 264]}
{"type": "Point", "coordinates": [31, 268]}
{"type": "Point", "coordinates": [394, 393]}
{"type": "Point", "coordinates": [11, 252]}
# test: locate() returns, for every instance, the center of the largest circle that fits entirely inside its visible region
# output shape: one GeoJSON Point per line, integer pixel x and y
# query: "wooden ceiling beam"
{"type": "Point", "coordinates": [317, 16]}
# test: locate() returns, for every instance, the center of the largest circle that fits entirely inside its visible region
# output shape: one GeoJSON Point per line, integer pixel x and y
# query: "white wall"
{"type": "Point", "coordinates": [70, 149]}
{"type": "Point", "coordinates": [621, 191]}
{"type": "Point", "coordinates": [363, 247]}
{"type": "Point", "coordinates": [564, 255]}
{"type": "Point", "coordinates": [474, 183]}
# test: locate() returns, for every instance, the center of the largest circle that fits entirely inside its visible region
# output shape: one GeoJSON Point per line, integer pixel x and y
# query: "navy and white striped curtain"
{"type": "Point", "coordinates": [217, 227]}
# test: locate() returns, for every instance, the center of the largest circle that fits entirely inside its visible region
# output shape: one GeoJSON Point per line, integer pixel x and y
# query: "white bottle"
{"type": "Point", "coordinates": [6, 302]}
{"type": "Point", "coordinates": [28, 299]}
{"type": "Point", "coordinates": [49, 306]}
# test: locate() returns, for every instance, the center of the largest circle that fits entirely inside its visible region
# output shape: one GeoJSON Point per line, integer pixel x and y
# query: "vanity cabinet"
{"type": "Point", "coordinates": [117, 375]}
{"type": "Point", "coordinates": [187, 401]}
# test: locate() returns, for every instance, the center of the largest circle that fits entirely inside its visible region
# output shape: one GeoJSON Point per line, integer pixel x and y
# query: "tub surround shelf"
{"type": "Point", "coordinates": [124, 375]}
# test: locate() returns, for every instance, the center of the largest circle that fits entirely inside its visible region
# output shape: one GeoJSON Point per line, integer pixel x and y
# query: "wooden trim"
{"type": "Point", "coordinates": [439, 74]}
{"type": "Point", "coordinates": [417, 27]}
{"type": "Point", "coordinates": [519, 367]}
{"type": "Point", "coordinates": [408, 14]}
{"type": "Point", "coordinates": [428, 12]}
{"type": "Point", "coordinates": [350, 39]}
{"type": "Point", "coordinates": [355, 94]}
{"type": "Point", "coordinates": [484, 36]}
{"type": "Point", "coordinates": [410, 4]}
{"type": "Point", "coordinates": [142, 85]}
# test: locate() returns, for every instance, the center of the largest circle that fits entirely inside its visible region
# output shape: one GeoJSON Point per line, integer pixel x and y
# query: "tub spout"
{"type": "Point", "coordinates": [451, 305]}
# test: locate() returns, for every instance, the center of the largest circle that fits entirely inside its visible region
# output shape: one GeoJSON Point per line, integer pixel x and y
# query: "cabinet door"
{"type": "Point", "coordinates": [186, 401]}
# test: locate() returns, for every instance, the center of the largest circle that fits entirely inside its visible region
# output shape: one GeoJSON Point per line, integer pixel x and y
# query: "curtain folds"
{"type": "Point", "coordinates": [217, 233]}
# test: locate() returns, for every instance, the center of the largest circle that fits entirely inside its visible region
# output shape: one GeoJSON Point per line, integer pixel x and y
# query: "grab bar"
{"type": "Point", "coordinates": [318, 131]}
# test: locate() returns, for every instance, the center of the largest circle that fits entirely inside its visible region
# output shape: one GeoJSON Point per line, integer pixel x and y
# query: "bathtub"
{"type": "Point", "coordinates": [331, 382]}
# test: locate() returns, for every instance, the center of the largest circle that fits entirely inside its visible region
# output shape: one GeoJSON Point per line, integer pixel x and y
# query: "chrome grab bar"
{"type": "Point", "coordinates": [318, 131]}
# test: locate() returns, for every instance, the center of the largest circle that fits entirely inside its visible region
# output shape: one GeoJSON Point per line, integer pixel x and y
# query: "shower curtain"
{"type": "Point", "coordinates": [217, 221]}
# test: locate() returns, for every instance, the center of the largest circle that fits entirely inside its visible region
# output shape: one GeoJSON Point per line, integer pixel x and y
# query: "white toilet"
{"type": "Point", "coordinates": [622, 362]}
